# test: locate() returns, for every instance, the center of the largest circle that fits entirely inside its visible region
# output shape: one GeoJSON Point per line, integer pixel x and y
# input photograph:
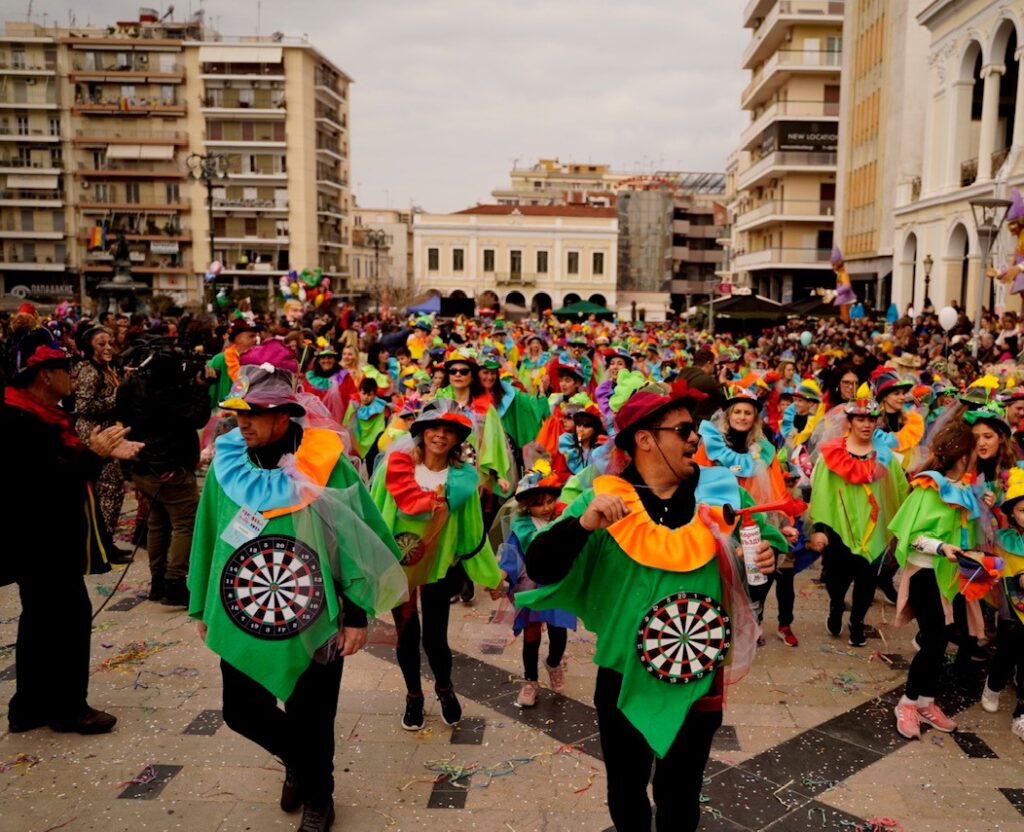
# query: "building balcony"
{"type": "Point", "coordinates": [258, 176]}
{"type": "Point", "coordinates": [332, 212]}
{"type": "Point", "coordinates": [786, 160]}
{"type": "Point", "coordinates": [113, 170]}
{"type": "Point", "coordinates": [47, 104]}
{"type": "Point", "coordinates": [777, 258]}
{"type": "Point", "coordinates": [755, 10]}
{"type": "Point", "coordinates": [771, 33]}
{"type": "Point", "coordinates": [684, 254]}
{"type": "Point", "coordinates": [268, 239]}
{"type": "Point", "coordinates": [19, 165]}
{"type": "Point", "coordinates": [331, 180]}
{"type": "Point", "coordinates": [102, 206]}
{"type": "Point", "coordinates": [791, 111]}
{"type": "Point", "coordinates": [129, 135]}
{"type": "Point", "coordinates": [261, 205]}
{"type": "Point", "coordinates": [770, 76]}
{"type": "Point", "coordinates": [137, 73]}
{"type": "Point", "coordinates": [270, 144]}
{"type": "Point", "coordinates": [28, 68]}
{"type": "Point", "coordinates": [33, 134]}
{"type": "Point", "coordinates": [331, 93]}
{"type": "Point", "coordinates": [786, 210]}
{"type": "Point", "coordinates": [12, 262]}
{"type": "Point", "coordinates": [259, 109]}
{"type": "Point", "coordinates": [129, 107]}
{"type": "Point", "coordinates": [517, 278]}
{"type": "Point", "coordinates": [331, 120]}
{"type": "Point", "coordinates": [140, 238]}
{"type": "Point", "coordinates": [12, 234]}
{"type": "Point", "coordinates": [335, 153]}
{"type": "Point", "coordinates": [140, 268]}
{"type": "Point", "coordinates": [17, 198]}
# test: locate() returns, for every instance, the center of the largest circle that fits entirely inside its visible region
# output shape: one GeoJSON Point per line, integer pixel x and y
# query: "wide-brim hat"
{"type": "Point", "coordinates": [808, 390]}
{"type": "Point", "coordinates": [647, 404]}
{"type": "Point", "coordinates": [886, 382]}
{"type": "Point", "coordinates": [625, 356]}
{"type": "Point", "coordinates": [443, 412]}
{"type": "Point", "coordinates": [240, 325]}
{"type": "Point", "coordinates": [462, 356]}
{"type": "Point", "coordinates": [992, 415]}
{"type": "Point", "coordinates": [569, 368]}
{"type": "Point", "coordinates": [736, 394]}
{"type": "Point", "coordinates": [36, 350]}
{"type": "Point", "coordinates": [261, 388]}
{"type": "Point", "coordinates": [1014, 490]}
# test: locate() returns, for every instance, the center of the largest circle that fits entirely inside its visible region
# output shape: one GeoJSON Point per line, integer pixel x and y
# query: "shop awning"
{"type": "Point", "coordinates": [240, 54]}
{"type": "Point", "coordinates": [123, 151]}
{"type": "Point", "coordinates": [32, 182]}
{"type": "Point", "coordinates": [156, 151]}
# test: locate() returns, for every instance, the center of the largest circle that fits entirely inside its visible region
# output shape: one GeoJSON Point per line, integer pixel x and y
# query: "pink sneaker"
{"type": "Point", "coordinates": [788, 636]}
{"type": "Point", "coordinates": [932, 715]}
{"type": "Point", "coordinates": [527, 697]}
{"type": "Point", "coordinates": [556, 677]}
{"type": "Point", "coordinates": [908, 722]}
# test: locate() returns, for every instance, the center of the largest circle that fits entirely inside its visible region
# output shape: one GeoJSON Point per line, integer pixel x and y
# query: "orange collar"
{"type": "Point", "coordinates": [315, 459]}
{"type": "Point", "coordinates": [233, 361]}
{"type": "Point", "coordinates": [673, 550]}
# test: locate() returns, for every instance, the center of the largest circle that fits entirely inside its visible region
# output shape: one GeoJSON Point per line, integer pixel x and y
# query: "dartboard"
{"type": "Point", "coordinates": [412, 548]}
{"type": "Point", "coordinates": [683, 637]}
{"type": "Point", "coordinates": [272, 587]}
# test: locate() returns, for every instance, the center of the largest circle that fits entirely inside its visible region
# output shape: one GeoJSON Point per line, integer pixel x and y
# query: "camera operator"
{"type": "Point", "coordinates": [165, 402]}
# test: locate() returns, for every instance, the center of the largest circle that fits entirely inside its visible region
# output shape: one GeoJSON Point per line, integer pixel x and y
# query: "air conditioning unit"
{"type": "Point", "coordinates": [86, 185]}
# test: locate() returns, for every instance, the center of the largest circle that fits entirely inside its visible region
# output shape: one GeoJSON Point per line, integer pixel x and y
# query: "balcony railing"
{"type": "Point", "coordinates": [261, 204]}
{"type": "Point", "coordinates": [783, 256]}
{"type": "Point", "coordinates": [35, 196]}
{"type": "Point", "coordinates": [140, 64]}
{"type": "Point", "coordinates": [815, 109]}
{"type": "Point", "coordinates": [810, 8]}
{"type": "Point", "coordinates": [233, 102]}
{"type": "Point", "coordinates": [19, 162]}
{"type": "Point", "coordinates": [785, 158]}
{"type": "Point", "coordinates": [129, 106]}
{"type": "Point", "coordinates": [785, 59]}
{"type": "Point", "coordinates": [101, 135]}
{"type": "Point", "coordinates": [968, 172]}
{"type": "Point", "coordinates": [243, 69]}
{"type": "Point", "coordinates": [998, 158]}
{"type": "Point", "coordinates": [517, 278]}
{"type": "Point", "coordinates": [788, 207]}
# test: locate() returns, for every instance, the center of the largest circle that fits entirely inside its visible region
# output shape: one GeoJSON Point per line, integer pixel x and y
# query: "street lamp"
{"type": "Point", "coordinates": [378, 239]}
{"type": "Point", "coordinates": [989, 214]}
{"type": "Point", "coordinates": [208, 168]}
{"type": "Point", "coordinates": [928, 263]}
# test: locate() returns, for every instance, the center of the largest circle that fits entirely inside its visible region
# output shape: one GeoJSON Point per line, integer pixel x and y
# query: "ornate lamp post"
{"type": "Point", "coordinates": [378, 240]}
{"type": "Point", "coordinates": [208, 169]}
{"type": "Point", "coordinates": [989, 214]}
{"type": "Point", "coordinates": [928, 263]}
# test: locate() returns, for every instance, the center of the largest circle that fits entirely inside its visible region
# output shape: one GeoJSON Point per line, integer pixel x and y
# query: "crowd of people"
{"type": "Point", "coordinates": [299, 475]}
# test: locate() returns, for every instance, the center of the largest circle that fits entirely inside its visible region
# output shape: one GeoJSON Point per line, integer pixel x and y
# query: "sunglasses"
{"type": "Point", "coordinates": [460, 371]}
{"type": "Point", "coordinates": [684, 430]}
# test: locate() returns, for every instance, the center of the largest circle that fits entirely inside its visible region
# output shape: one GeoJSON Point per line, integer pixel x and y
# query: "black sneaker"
{"type": "Point", "coordinates": [157, 588]}
{"type": "Point", "coordinates": [291, 798]}
{"type": "Point", "coordinates": [413, 719]}
{"type": "Point", "coordinates": [175, 594]}
{"type": "Point", "coordinates": [857, 636]}
{"type": "Point", "coordinates": [119, 557]}
{"type": "Point", "coordinates": [317, 816]}
{"type": "Point", "coordinates": [834, 624]}
{"type": "Point", "coordinates": [468, 592]}
{"type": "Point", "coordinates": [451, 709]}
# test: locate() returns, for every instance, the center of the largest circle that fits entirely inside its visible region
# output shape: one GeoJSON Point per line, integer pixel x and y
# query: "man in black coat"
{"type": "Point", "coordinates": [54, 538]}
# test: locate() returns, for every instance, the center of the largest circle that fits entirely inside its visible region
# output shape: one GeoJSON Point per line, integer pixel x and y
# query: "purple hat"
{"type": "Point", "coordinates": [1016, 211]}
{"type": "Point", "coordinates": [273, 351]}
{"type": "Point", "coordinates": [837, 256]}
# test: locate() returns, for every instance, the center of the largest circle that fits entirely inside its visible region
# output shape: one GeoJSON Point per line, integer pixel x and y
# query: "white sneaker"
{"type": "Point", "coordinates": [990, 699]}
{"type": "Point", "coordinates": [1017, 727]}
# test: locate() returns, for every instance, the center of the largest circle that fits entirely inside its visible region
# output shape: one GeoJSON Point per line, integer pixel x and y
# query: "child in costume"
{"type": "Point", "coordinates": [537, 496]}
{"type": "Point", "coordinates": [1008, 660]}
{"type": "Point", "coordinates": [935, 525]}
{"type": "Point", "coordinates": [366, 418]}
{"type": "Point", "coordinates": [854, 495]}
{"type": "Point", "coordinates": [586, 435]}
{"type": "Point", "coordinates": [428, 497]}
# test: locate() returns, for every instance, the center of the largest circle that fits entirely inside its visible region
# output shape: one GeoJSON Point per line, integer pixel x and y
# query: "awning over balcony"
{"type": "Point", "coordinates": [240, 54]}
{"type": "Point", "coordinates": [141, 151]}
{"type": "Point", "coordinates": [32, 182]}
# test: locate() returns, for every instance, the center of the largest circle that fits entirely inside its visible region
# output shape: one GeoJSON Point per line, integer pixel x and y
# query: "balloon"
{"type": "Point", "coordinates": [222, 297]}
{"type": "Point", "coordinates": [806, 338]}
{"type": "Point", "coordinates": [948, 318]}
{"type": "Point", "coordinates": [302, 293]}
{"type": "Point", "coordinates": [295, 288]}
{"type": "Point", "coordinates": [216, 267]}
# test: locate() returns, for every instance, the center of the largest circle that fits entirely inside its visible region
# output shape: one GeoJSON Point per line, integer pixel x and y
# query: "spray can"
{"type": "Point", "coordinates": [750, 539]}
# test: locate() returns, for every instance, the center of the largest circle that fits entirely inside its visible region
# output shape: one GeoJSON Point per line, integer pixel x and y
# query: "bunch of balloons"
{"type": "Point", "coordinates": [307, 286]}
{"type": "Point", "coordinates": [216, 267]}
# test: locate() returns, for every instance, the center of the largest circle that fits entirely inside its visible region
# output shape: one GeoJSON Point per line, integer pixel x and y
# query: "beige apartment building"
{"type": "Point", "coordinates": [380, 265]}
{"type": "Point", "coordinates": [551, 182]}
{"type": "Point", "coordinates": [785, 177]}
{"type": "Point", "coordinates": [970, 138]}
{"type": "Point", "coordinates": [99, 130]}
{"type": "Point", "coordinates": [526, 256]}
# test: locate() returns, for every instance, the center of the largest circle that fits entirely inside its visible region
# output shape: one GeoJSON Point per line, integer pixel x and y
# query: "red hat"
{"type": "Point", "coordinates": [644, 407]}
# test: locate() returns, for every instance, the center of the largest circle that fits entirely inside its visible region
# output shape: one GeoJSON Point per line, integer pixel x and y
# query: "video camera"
{"type": "Point", "coordinates": [165, 361]}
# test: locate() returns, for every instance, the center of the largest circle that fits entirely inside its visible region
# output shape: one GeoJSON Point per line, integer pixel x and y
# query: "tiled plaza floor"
{"type": "Point", "coordinates": [808, 742]}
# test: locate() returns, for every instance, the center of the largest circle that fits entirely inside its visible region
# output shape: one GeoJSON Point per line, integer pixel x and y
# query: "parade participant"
{"type": "Point", "coordinates": [614, 361]}
{"type": "Point", "coordinates": [538, 505]}
{"type": "Point", "coordinates": [586, 435]}
{"type": "Point", "coordinates": [223, 368]}
{"type": "Point", "coordinates": [854, 495]}
{"type": "Point", "coordinates": [50, 475]}
{"type": "Point", "coordinates": [1013, 401]}
{"type": "Point", "coordinates": [624, 556]}
{"type": "Point", "coordinates": [350, 363]}
{"type": "Point", "coordinates": [735, 441]}
{"type": "Point", "coordinates": [1008, 660]}
{"type": "Point", "coordinates": [277, 593]}
{"type": "Point", "coordinates": [427, 494]}
{"type": "Point", "coordinates": [521, 414]}
{"type": "Point", "coordinates": [326, 373]}
{"type": "Point", "coordinates": [94, 385]}
{"type": "Point", "coordinates": [1010, 276]}
{"type": "Point", "coordinates": [570, 382]}
{"type": "Point", "coordinates": [533, 365]}
{"type": "Point", "coordinates": [366, 418]}
{"type": "Point", "coordinates": [382, 368]}
{"type": "Point", "coordinates": [935, 525]}
{"type": "Point", "coordinates": [406, 409]}
{"type": "Point", "coordinates": [801, 417]}
{"type": "Point", "coordinates": [700, 376]}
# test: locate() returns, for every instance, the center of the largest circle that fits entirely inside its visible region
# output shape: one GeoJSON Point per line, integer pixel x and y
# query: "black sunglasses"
{"type": "Point", "coordinates": [460, 371]}
{"type": "Point", "coordinates": [683, 430]}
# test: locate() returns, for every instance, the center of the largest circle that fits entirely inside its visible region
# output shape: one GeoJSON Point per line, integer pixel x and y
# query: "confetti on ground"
{"type": "Point", "coordinates": [148, 775]}
{"type": "Point", "coordinates": [819, 783]}
{"type": "Point", "coordinates": [106, 590]}
{"type": "Point", "coordinates": [133, 654]}
{"type": "Point", "coordinates": [937, 739]}
{"type": "Point", "coordinates": [22, 760]}
{"type": "Point", "coordinates": [844, 683]}
{"type": "Point", "coordinates": [828, 648]}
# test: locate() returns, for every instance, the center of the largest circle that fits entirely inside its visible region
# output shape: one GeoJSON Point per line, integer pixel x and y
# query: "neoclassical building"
{"type": "Point", "coordinates": [970, 139]}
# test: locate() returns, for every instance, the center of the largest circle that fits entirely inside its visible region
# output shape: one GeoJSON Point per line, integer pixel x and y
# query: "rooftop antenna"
{"type": "Point", "coordinates": [168, 13]}
{"type": "Point", "coordinates": [29, 16]}
{"type": "Point", "coordinates": [259, 16]}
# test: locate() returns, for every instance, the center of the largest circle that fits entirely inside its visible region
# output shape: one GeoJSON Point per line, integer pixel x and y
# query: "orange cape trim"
{"type": "Point", "coordinates": [232, 361]}
{"type": "Point", "coordinates": [911, 433]}
{"type": "Point", "coordinates": [674, 550]}
{"type": "Point", "coordinates": [315, 458]}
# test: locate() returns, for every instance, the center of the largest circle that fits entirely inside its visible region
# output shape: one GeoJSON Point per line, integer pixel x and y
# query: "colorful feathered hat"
{"type": "Point", "coordinates": [1014, 489]}
{"type": "Point", "coordinates": [862, 404]}
{"type": "Point", "coordinates": [734, 394]}
{"type": "Point", "coordinates": [443, 412]}
{"type": "Point", "coordinates": [537, 480]}
{"type": "Point", "coordinates": [808, 389]}
{"type": "Point", "coordinates": [884, 381]}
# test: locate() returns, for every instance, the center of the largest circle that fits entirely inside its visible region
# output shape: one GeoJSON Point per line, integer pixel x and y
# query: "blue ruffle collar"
{"type": "Point", "coordinates": [740, 464]}
{"type": "Point", "coordinates": [955, 494]}
{"type": "Point", "coordinates": [245, 484]}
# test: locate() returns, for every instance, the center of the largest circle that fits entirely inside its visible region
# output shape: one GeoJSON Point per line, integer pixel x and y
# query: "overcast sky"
{"type": "Point", "coordinates": [449, 93]}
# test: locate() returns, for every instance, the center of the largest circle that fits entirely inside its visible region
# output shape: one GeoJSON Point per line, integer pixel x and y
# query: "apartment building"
{"type": "Point", "coordinates": [380, 264]}
{"type": "Point", "coordinates": [33, 223]}
{"type": "Point", "coordinates": [551, 182]}
{"type": "Point", "coordinates": [100, 130]}
{"type": "Point", "coordinates": [528, 256]}
{"type": "Point", "coordinates": [786, 169]}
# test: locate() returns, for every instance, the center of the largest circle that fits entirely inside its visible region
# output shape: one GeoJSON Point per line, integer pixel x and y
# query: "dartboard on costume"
{"type": "Point", "coordinates": [683, 637]}
{"type": "Point", "coordinates": [273, 587]}
{"type": "Point", "coordinates": [411, 547]}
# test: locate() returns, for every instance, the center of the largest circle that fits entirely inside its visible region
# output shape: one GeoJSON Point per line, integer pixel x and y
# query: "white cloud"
{"type": "Point", "coordinates": [449, 92]}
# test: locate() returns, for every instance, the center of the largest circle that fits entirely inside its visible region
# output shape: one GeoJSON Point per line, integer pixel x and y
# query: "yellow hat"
{"type": "Point", "coordinates": [1014, 489]}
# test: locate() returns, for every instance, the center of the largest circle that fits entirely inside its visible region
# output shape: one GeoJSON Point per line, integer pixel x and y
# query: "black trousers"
{"type": "Point", "coordinates": [301, 735]}
{"type": "Point", "coordinates": [628, 759]}
{"type": "Point", "coordinates": [926, 666]}
{"type": "Point", "coordinates": [435, 607]}
{"type": "Point", "coordinates": [1008, 661]}
{"type": "Point", "coordinates": [844, 569]}
{"type": "Point", "coordinates": [785, 595]}
{"type": "Point", "coordinates": [558, 637]}
{"type": "Point", "coordinates": [52, 658]}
